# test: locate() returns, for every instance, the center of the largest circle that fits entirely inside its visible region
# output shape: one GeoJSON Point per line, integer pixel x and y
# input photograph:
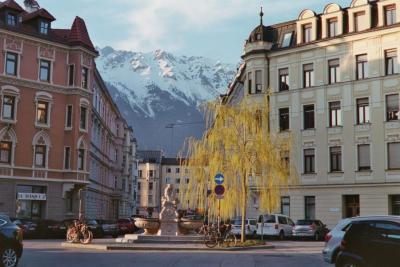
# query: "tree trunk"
{"type": "Point", "coordinates": [244, 208]}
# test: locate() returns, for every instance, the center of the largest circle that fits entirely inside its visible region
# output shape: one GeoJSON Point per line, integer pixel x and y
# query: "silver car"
{"type": "Point", "coordinates": [335, 236]}
{"type": "Point", "coordinates": [314, 229]}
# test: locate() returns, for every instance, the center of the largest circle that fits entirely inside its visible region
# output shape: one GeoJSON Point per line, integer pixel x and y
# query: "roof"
{"type": "Point", "coordinates": [11, 4]}
{"type": "Point", "coordinates": [171, 161]}
{"type": "Point", "coordinates": [43, 13]}
{"type": "Point", "coordinates": [79, 33]}
{"type": "Point", "coordinates": [149, 156]}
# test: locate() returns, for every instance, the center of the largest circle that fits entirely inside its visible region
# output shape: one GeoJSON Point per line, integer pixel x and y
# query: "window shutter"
{"type": "Point", "coordinates": [394, 155]}
{"type": "Point", "coordinates": [364, 159]}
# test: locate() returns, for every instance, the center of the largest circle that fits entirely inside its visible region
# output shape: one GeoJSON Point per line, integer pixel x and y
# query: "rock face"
{"type": "Point", "coordinates": [168, 215]}
{"type": "Point", "coordinates": [158, 88]}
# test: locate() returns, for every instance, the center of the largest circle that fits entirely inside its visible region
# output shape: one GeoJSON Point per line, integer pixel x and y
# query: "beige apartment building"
{"type": "Point", "coordinates": [334, 85]}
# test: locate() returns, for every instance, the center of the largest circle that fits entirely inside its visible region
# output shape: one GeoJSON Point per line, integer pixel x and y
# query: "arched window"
{"type": "Point", "coordinates": [8, 140]}
{"type": "Point", "coordinates": [44, 102]}
{"type": "Point", "coordinates": [82, 151]}
{"type": "Point", "coordinates": [41, 145]}
{"type": "Point", "coordinates": [9, 100]}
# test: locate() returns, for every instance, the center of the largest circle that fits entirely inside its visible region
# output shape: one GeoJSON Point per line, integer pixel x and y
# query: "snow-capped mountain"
{"type": "Point", "coordinates": [158, 88]}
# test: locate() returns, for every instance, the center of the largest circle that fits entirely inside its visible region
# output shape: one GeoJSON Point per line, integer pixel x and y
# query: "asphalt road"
{"type": "Point", "coordinates": [43, 253]}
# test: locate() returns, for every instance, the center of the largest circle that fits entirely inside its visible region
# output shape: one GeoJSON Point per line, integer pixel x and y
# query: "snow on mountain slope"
{"type": "Point", "coordinates": [158, 88]}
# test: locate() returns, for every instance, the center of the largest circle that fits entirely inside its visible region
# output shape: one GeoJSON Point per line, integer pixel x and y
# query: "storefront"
{"type": "Point", "coordinates": [31, 201]}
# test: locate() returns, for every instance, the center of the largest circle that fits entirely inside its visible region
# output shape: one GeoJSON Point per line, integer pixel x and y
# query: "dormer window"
{"type": "Point", "coordinates": [44, 27]}
{"type": "Point", "coordinates": [12, 19]}
{"type": "Point", "coordinates": [390, 14]}
{"type": "Point", "coordinates": [258, 37]}
{"type": "Point", "coordinates": [358, 17]}
{"type": "Point", "coordinates": [332, 27]}
{"type": "Point", "coordinates": [307, 31]}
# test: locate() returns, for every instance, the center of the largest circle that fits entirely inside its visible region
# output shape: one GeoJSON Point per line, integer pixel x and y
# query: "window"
{"type": "Point", "coordinates": [40, 156]}
{"type": "Point", "coordinates": [12, 19]}
{"type": "Point", "coordinates": [258, 81]}
{"type": "Point", "coordinates": [81, 159]}
{"type": "Point", "coordinates": [68, 117]}
{"type": "Point", "coordinates": [250, 83]}
{"type": "Point", "coordinates": [391, 66]}
{"type": "Point", "coordinates": [309, 203]}
{"type": "Point", "coordinates": [5, 152]}
{"type": "Point", "coordinates": [394, 156]}
{"type": "Point", "coordinates": [83, 119]}
{"type": "Point", "coordinates": [361, 66]}
{"type": "Point", "coordinates": [395, 205]}
{"type": "Point", "coordinates": [336, 158]}
{"type": "Point", "coordinates": [151, 173]}
{"type": "Point", "coordinates": [358, 16]}
{"type": "Point", "coordinates": [332, 27]}
{"type": "Point", "coordinates": [11, 64]}
{"type": "Point", "coordinates": [335, 114]}
{"type": "Point", "coordinates": [362, 110]}
{"type": "Point", "coordinates": [123, 187]}
{"type": "Point", "coordinates": [334, 71]}
{"type": "Point", "coordinates": [177, 170]}
{"type": "Point", "coordinates": [307, 33]}
{"type": "Point", "coordinates": [187, 180]}
{"type": "Point", "coordinates": [284, 119]}
{"type": "Point", "coordinates": [178, 180]}
{"type": "Point", "coordinates": [71, 75]}
{"type": "Point", "coordinates": [364, 158]}
{"type": "Point", "coordinates": [309, 160]}
{"type": "Point", "coordinates": [8, 107]}
{"type": "Point", "coordinates": [308, 75]}
{"type": "Point", "coordinates": [169, 170]}
{"type": "Point", "coordinates": [69, 201]}
{"type": "Point", "coordinates": [150, 199]}
{"type": "Point", "coordinates": [138, 185]}
{"type": "Point", "coordinates": [85, 76]}
{"type": "Point", "coordinates": [285, 206]}
{"type": "Point", "coordinates": [140, 174]}
{"type": "Point", "coordinates": [44, 74]}
{"type": "Point", "coordinates": [287, 39]}
{"type": "Point", "coordinates": [67, 157]}
{"type": "Point", "coordinates": [392, 107]}
{"type": "Point", "coordinates": [44, 27]}
{"type": "Point", "coordinates": [309, 120]}
{"type": "Point", "coordinates": [283, 79]}
{"type": "Point", "coordinates": [150, 186]}
{"type": "Point", "coordinates": [42, 112]}
{"type": "Point", "coordinates": [390, 14]}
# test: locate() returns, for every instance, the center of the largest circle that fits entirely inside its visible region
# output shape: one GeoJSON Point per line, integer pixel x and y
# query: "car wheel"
{"type": "Point", "coordinates": [9, 257]}
{"type": "Point", "coordinates": [281, 235]}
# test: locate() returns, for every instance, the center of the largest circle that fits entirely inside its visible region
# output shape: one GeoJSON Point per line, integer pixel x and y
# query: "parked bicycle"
{"type": "Point", "coordinates": [221, 236]}
{"type": "Point", "coordinates": [79, 233]}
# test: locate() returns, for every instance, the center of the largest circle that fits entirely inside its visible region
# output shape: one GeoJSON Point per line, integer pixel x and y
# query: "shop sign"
{"type": "Point", "coordinates": [32, 196]}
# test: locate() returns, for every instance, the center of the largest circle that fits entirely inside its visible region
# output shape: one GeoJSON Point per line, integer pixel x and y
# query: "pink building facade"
{"type": "Point", "coordinates": [47, 78]}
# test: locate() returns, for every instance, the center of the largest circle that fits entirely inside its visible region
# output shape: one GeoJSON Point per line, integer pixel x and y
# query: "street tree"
{"type": "Point", "coordinates": [237, 143]}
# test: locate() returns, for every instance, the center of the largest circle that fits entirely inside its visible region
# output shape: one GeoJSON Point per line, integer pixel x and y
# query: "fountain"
{"type": "Point", "coordinates": [168, 216]}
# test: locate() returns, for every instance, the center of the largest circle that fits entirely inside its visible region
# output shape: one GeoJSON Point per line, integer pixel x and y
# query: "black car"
{"type": "Point", "coordinates": [109, 227]}
{"type": "Point", "coordinates": [10, 242]}
{"type": "Point", "coordinates": [28, 226]}
{"type": "Point", "coordinates": [371, 243]}
{"type": "Point", "coordinates": [51, 229]}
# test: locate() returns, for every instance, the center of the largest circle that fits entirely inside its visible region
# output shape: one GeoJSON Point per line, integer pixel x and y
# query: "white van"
{"type": "Point", "coordinates": [278, 225]}
{"type": "Point", "coordinates": [251, 226]}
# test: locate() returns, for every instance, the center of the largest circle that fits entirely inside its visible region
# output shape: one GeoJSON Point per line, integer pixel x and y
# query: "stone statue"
{"type": "Point", "coordinates": [168, 214]}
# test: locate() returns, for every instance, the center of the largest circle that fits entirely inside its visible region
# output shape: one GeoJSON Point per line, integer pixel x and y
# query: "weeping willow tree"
{"type": "Point", "coordinates": [239, 145]}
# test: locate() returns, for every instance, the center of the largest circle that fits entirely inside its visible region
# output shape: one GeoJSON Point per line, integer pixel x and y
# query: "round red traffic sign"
{"type": "Point", "coordinates": [219, 190]}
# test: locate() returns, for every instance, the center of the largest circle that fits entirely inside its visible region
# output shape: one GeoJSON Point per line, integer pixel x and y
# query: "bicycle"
{"type": "Point", "coordinates": [215, 237]}
{"type": "Point", "coordinates": [79, 233]}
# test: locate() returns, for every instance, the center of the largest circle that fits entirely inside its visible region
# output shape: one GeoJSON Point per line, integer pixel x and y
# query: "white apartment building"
{"type": "Point", "coordinates": [334, 86]}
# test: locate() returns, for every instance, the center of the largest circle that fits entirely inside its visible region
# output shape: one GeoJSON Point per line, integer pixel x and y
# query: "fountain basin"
{"type": "Point", "coordinates": [149, 225]}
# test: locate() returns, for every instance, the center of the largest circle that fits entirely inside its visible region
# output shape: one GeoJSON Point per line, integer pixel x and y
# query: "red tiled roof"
{"type": "Point", "coordinates": [11, 4]}
{"type": "Point", "coordinates": [79, 33]}
{"type": "Point", "coordinates": [43, 13]}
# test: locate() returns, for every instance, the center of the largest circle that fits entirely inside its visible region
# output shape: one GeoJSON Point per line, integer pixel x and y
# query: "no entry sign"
{"type": "Point", "coordinates": [219, 190]}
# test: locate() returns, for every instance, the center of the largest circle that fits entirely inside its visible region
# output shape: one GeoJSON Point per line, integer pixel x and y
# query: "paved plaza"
{"type": "Point", "coordinates": [286, 253]}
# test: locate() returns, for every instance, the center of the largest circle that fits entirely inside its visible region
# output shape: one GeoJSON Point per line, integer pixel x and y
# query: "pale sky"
{"type": "Point", "coordinates": [213, 28]}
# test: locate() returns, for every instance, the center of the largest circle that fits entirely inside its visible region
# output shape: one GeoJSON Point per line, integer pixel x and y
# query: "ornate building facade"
{"type": "Point", "coordinates": [333, 83]}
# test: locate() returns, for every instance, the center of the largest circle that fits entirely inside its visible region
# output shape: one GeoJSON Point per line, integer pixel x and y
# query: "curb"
{"type": "Point", "coordinates": [148, 248]}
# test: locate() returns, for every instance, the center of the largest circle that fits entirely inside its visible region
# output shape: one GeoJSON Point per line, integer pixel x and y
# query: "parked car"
{"type": "Point", "coordinates": [126, 226]}
{"type": "Point", "coordinates": [251, 226]}
{"type": "Point", "coordinates": [50, 229]}
{"type": "Point", "coordinates": [314, 229]}
{"type": "Point", "coordinates": [333, 240]}
{"type": "Point", "coordinates": [372, 242]}
{"type": "Point", "coordinates": [277, 225]}
{"type": "Point", "coordinates": [108, 227]}
{"type": "Point", "coordinates": [28, 226]}
{"type": "Point", "coordinates": [10, 242]}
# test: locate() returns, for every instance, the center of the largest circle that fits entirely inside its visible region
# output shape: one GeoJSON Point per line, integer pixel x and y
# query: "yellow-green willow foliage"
{"type": "Point", "coordinates": [237, 144]}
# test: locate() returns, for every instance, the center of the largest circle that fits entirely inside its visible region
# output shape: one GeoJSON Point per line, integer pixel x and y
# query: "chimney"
{"type": "Point", "coordinates": [31, 5]}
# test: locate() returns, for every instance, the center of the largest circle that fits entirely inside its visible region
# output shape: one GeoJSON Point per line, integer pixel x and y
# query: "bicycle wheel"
{"type": "Point", "coordinates": [87, 237]}
{"type": "Point", "coordinates": [211, 240]}
{"type": "Point", "coordinates": [231, 240]}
